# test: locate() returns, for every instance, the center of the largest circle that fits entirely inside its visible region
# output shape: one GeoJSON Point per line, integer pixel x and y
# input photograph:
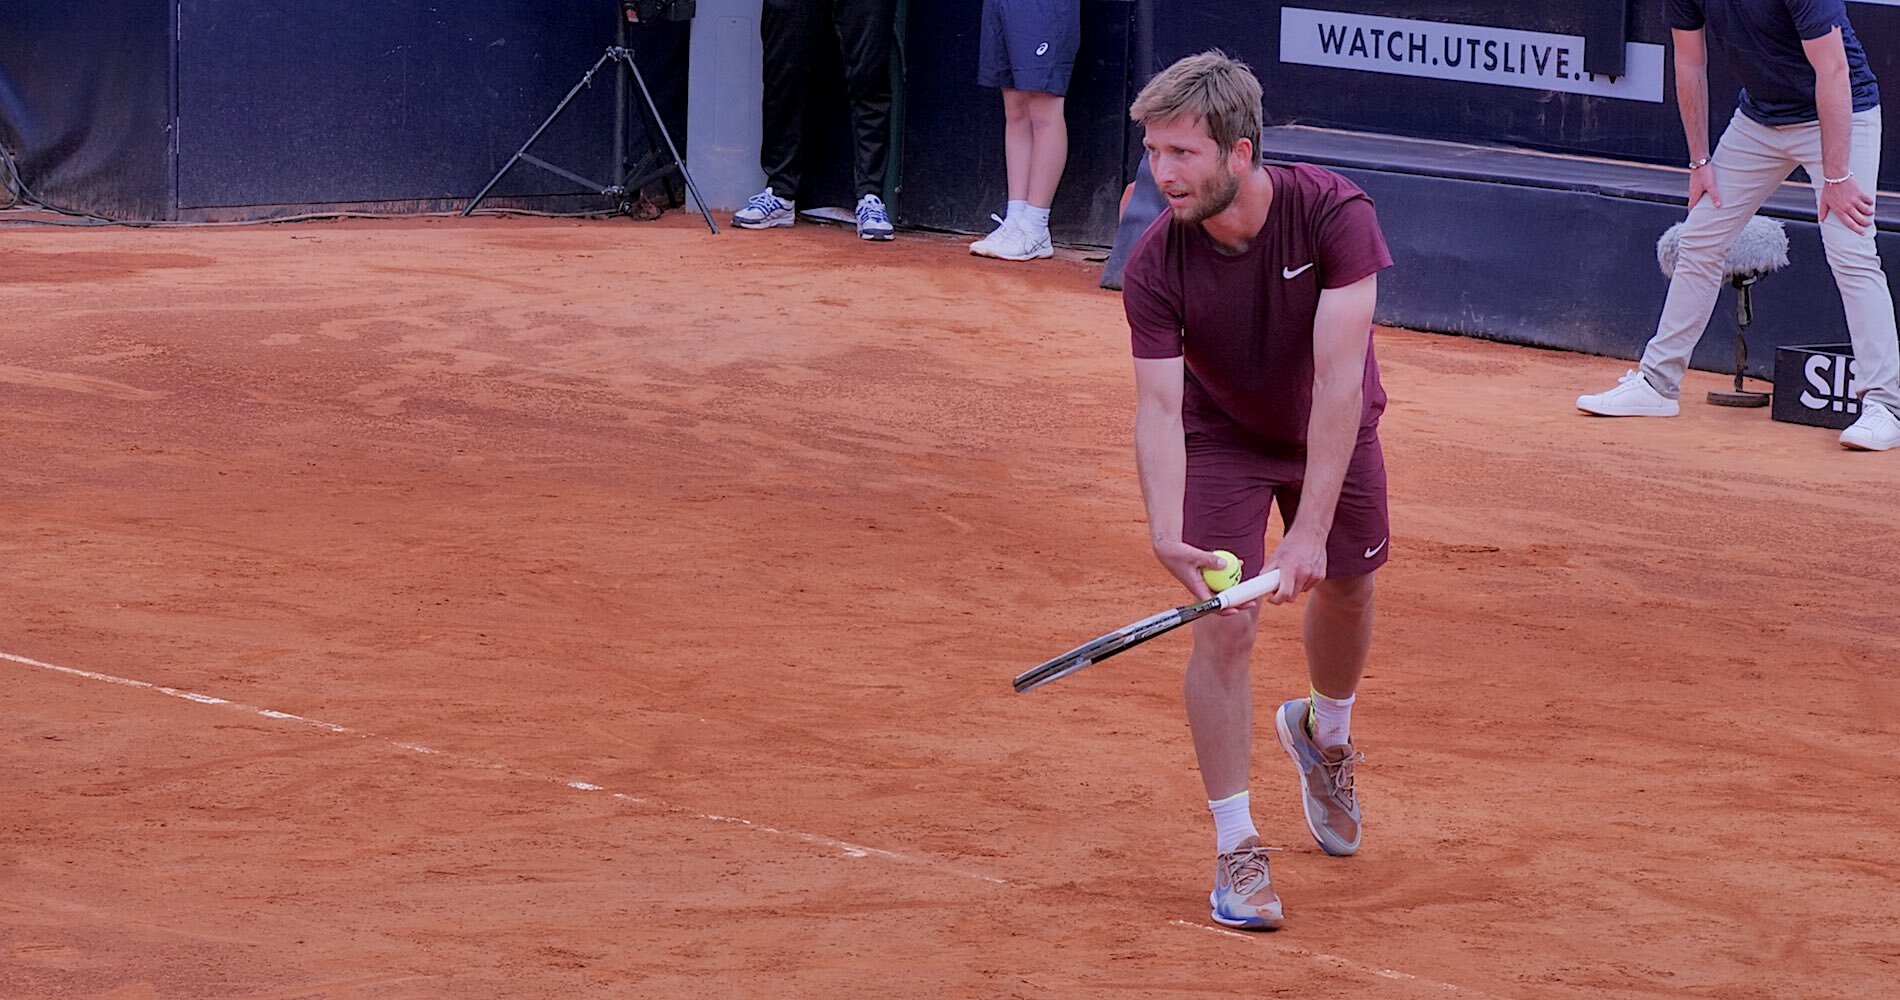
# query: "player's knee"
{"type": "Point", "coordinates": [1350, 596]}
{"type": "Point", "coordinates": [1225, 642]}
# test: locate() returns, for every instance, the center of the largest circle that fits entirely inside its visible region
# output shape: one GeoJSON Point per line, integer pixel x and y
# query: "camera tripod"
{"type": "Point", "coordinates": [625, 189]}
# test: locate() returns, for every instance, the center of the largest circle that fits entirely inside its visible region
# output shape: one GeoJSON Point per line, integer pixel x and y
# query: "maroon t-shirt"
{"type": "Point", "coordinates": [1244, 323]}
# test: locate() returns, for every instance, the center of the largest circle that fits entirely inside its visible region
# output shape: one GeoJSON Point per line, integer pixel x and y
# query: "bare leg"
{"type": "Point", "coordinates": [1219, 696]}
{"type": "Point", "coordinates": [1018, 141]}
{"type": "Point", "coordinates": [1338, 633]}
{"type": "Point", "coordinates": [1050, 148]}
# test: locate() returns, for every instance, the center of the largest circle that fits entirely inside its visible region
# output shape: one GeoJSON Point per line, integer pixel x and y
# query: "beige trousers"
{"type": "Point", "coordinates": [1751, 161]}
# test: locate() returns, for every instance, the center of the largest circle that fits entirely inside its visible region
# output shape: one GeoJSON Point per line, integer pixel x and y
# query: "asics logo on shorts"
{"type": "Point", "coordinates": [1294, 272]}
{"type": "Point", "coordinates": [1376, 549]}
{"type": "Point", "coordinates": [1042, 49]}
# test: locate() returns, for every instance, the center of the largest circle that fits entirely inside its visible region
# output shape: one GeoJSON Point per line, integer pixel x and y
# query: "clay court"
{"type": "Point", "coordinates": [530, 608]}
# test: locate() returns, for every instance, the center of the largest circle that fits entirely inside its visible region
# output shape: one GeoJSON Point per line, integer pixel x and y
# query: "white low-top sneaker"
{"type": "Point", "coordinates": [873, 222]}
{"type": "Point", "coordinates": [1632, 397]}
{"type": "Point", "coordinates": [1876, 430]}
{"type": "Point", "coordinates": [982, 247]}
{"type": "Point", "coordinates": [1014, 241]}
{"type": "Point", "coordinates": [765, 210]}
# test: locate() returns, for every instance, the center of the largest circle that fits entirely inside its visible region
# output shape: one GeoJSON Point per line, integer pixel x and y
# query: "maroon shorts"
{"type": "Point", "coordinates": [1230, 489]}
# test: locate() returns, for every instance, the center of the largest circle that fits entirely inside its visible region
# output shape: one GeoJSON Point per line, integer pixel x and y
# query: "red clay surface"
{"type": "Point", "coordinates": [750, 532]}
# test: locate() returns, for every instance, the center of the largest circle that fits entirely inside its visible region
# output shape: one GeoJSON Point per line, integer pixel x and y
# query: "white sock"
{"type": "Point", "coordinates": [1233, 822]}
{"type": "Point", "coordinates": [1015, 211]}
{"type": "Point", "coordinates": [1035, 218]}
{"type": "Point", "coordinates": [1331, 719]}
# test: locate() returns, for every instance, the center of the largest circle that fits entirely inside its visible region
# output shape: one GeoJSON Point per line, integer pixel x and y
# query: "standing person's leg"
{"type": "Point", "coordinates": [1748, 168]}
{"type": "Point", "coordinates": [1229, 493]}
{"type": "Point", "coordinates": [1316, 731]}
{"type": "Point", "coordinates": [1040, 38]}
{"type": "Point", "coordinates": [993, 70]}
{"type": "Point", "coordinates": [787, 30]}
{"type": "Point", "coordinates": [1048, 65]}
{"type": "Point", "coordinates": [1019, 147]}
{"type": "Point", "coordinates": [1048, 155]}
{"type": "Point", "coordinates": [1219, 696]}
{"type": "Point", "coordinates": [866, 29]}
{"type": "Point", "coordinates": [1021, 114]}
{"type": "Point", "coordinates": [1855, 261]}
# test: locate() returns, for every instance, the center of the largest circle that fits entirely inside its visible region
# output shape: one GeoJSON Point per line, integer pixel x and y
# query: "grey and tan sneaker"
{"type": "Point", "coordinates": [1243, 893]}
{"type": "Point", "coordinates": [1326, 793]}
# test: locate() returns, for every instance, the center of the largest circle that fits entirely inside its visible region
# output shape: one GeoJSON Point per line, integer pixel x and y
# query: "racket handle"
{"type": "Point", "coordinates": [1249, 590]}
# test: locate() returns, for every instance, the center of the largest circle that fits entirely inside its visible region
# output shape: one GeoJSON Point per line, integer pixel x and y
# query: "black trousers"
{"type": "Point", "coordinates": [792, 30]}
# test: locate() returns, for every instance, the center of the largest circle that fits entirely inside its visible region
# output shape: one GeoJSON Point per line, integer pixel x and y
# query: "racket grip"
{"type": "Point", "coordinates": [1249, 590]}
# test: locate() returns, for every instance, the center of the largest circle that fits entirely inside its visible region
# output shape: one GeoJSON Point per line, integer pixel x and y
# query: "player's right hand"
{"type": "Point", "coordinates": [1186, 562]}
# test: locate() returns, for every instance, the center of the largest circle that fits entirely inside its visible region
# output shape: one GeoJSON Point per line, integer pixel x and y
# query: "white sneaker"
{"type": "Point", "coordinates": [1014, 241]}
{"type": "Point", "coordinates": [1632, 397]}
{"type": "Point", "coordinates": [764, 211]}
{"type": "Point", "coordinates": [982, 247]}
{"type": "Point", "coordinates": [873, 222]}
{"type": "Point", "coordinates": [1876, 430]}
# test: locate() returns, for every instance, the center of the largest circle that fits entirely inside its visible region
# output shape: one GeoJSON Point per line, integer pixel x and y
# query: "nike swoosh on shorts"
{"type": "Point", "coordinates": [1373, 551]}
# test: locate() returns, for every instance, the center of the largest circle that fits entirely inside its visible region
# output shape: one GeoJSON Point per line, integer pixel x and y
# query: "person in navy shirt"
{"type": "Point", "coordinates": [1808, 100]}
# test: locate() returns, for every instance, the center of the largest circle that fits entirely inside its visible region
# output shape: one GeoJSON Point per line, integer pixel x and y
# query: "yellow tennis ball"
{"type": "Point", "coordinates": [1226, 576]}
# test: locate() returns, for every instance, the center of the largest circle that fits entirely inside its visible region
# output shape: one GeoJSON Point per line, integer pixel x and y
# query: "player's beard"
{"type": "Point", "coordinates": [1211, 198]}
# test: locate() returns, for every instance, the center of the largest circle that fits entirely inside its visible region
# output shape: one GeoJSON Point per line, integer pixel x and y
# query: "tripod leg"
{"type": "Point", "coordinates": [660, 124]}
{"type": "Point", "coordinates": [519, 153]}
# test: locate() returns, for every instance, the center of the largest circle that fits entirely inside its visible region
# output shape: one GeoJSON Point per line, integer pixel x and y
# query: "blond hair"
{"type": "Point", "coordinates": [1213, 87]}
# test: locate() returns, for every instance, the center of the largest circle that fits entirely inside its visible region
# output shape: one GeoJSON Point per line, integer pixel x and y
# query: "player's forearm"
{"type": "Point", "coordinates": [1342, 339]}
{"type": "Point", "coordinates": [1161, 459]}
{"type": "Point", "coordinates": [1834, 100]}
{"type": "Point", "coordinates": [1332, 431]}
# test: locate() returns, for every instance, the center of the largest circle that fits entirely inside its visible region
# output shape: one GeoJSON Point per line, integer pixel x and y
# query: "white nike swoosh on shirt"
{"type": "Point", "coordinates": [1373, 551]}
{"type": "Point", "coordinates": [1294, 272]}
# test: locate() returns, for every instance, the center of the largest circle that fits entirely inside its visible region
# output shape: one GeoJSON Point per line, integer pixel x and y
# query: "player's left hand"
{"type": "Point", "coordinates": [1853, 206]}
{"type": "Point", "coordinates": [1301, 560]}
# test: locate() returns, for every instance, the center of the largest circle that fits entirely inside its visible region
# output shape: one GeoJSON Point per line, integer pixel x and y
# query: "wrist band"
{"type": "Point", "coordinates": [1695, 164]}
{"type": "Point", "coordinates": [1837, 180]}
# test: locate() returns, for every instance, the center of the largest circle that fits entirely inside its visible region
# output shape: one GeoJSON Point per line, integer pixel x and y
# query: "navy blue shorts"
{"type": "Point", "coordinates": [1029, 44]}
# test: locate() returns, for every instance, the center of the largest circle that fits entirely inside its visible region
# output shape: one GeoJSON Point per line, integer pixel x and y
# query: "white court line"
{"type": "Point", "coordinates": [1269, 939]}
{"type": "Point", "coordinates": [846, 847]}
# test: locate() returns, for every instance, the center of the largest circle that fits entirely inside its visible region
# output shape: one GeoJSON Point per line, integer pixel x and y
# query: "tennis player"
{"type": "Point", "coordinates": [1250, 309]}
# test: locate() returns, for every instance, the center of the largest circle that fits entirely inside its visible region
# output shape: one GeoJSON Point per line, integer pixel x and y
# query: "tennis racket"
{"type": "Point", "coordinates": [1134, 635]}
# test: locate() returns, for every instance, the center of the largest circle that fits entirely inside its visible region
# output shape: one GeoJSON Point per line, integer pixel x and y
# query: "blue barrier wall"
{"type": "Point", "coordinates": [144, 109]}
{"type": "Point", "coordinates": [85, 102]}
{"type": "Point", "coordinates": [250, 109]}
